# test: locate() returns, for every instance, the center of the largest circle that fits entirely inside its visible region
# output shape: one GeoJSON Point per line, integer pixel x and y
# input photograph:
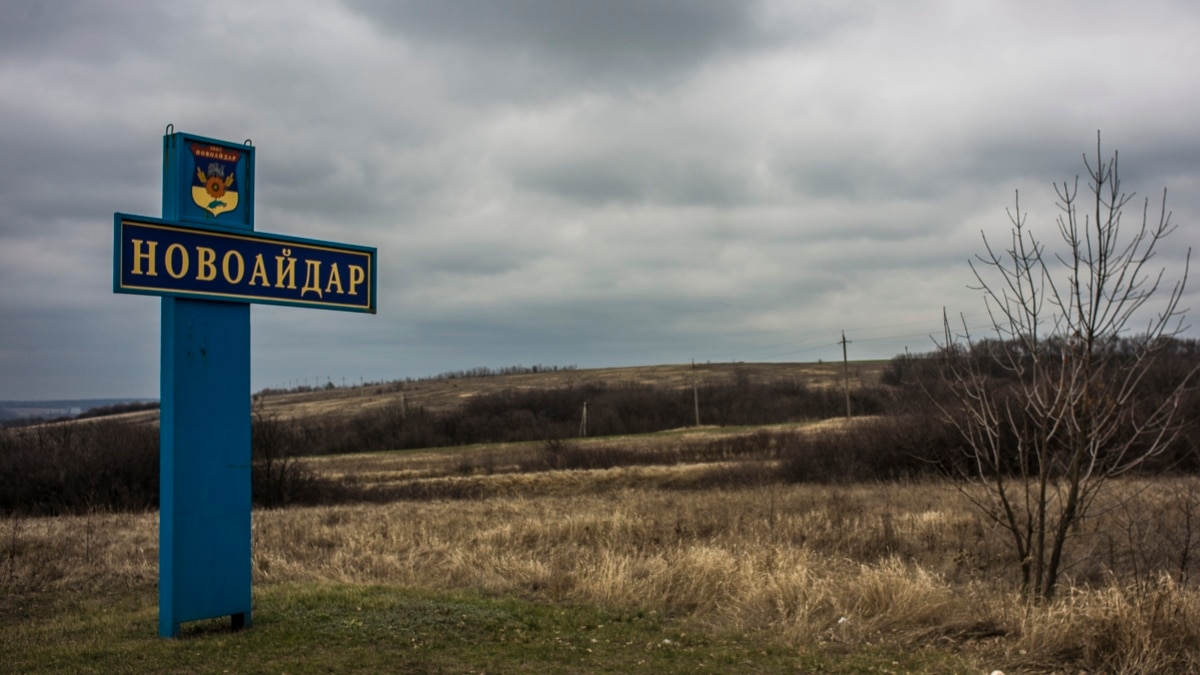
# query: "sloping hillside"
{"type": "Point", "coordinates": [446, 393]}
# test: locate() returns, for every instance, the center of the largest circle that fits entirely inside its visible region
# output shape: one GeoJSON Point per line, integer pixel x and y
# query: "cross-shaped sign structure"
{"type": "Point", "coordinates": [205, 260]}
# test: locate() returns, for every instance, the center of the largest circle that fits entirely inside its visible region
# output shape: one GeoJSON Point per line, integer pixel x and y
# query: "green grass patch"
{"type": "Point", "coordinates": [367, 629]}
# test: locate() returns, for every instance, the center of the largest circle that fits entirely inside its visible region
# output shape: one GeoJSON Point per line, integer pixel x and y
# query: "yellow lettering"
{"type": "Point", "coordinates": [206, 270]}
{"type": "Point", "coordinates": [335, 277]}
{"type": "Point", "coordinates": [357, 276]}
{"type": "Point", "coordinates": [139, 256]}
{"type": "Point", "coordinates": [290, 272]}
{"type": "Point", "coordinates": [241, 266]}
{"type": "Point", "coordinates": [260, 271]}
{"type": "Point", "coordinates": [312, 278]}
{"type": "Point", "coordinates": [168, 261]}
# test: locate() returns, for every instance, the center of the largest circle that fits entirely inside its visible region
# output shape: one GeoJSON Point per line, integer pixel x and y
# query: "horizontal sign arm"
{"type": "Point", "coordinates": [160, 257]}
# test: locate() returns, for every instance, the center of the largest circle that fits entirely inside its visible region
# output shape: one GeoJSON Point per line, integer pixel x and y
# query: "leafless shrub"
{"type": "Point", "coordinates": [1054, 408]}
{"type": "Point", "coordinates": [873, 449]}
{"type": "Point", "coordinates": [68, 467]}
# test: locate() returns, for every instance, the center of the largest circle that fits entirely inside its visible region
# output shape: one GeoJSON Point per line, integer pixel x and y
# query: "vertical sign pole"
{"type": "Point", "coordinates": [204, 503]}
{"type": "Point", "coordinates": [204, 512]}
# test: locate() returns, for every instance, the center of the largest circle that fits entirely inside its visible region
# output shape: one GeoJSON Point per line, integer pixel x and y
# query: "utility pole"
{"type": "Point", "coordinates": [846, 371]}
{"type": "Point", "coordinates": [948, 338]}
{"type": "Point", "coordinates": [695, 394]}
{"type": "Point", "coordinates": [583, 422]}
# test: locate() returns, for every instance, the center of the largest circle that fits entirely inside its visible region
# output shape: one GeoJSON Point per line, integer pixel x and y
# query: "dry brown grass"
{"type": "Point", "coordinates": [463, 466]}
{"type": "Point", "coordinates": [904, 564]}
{"type": "Point", "coordinates": [97, 551]}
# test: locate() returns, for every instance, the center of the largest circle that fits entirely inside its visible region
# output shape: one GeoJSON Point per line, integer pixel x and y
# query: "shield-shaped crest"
{"type": "Point", "coordinates": [215, 185]}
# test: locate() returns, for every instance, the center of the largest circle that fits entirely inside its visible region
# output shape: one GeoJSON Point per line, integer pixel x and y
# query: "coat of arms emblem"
{"type": "Point", "coordinates": [214, 186]}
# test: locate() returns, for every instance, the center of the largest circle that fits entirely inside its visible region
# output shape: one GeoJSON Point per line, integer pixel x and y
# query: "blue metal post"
{"type": "Point", "coordinates": [204, 511]}
{"type": "Point", "coordinates": [204, 503]}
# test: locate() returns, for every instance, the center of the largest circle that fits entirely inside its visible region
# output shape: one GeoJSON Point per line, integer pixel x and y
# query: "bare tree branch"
{"type": "Point", "coordinates": [1051, 409]}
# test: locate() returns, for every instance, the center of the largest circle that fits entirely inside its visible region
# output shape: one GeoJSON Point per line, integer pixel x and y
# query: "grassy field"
{"type": "Point", "coordinates": [488, 559]}
{"type": "Point", "coordinates": [322, 628]}
{"type": "Point", "coordinates": [643, 566]}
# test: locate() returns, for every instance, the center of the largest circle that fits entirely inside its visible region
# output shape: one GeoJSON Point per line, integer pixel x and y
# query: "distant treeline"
{"type": "Point", "coordinates": [1172, 360]}
{"type": "Point", "coordinates": [396, 385]}
{"type": "Point", "coordinates": [116, 408]}
{"type": "Point", "coordinates": [106, 464]}
{"type": "Point", "coordinates": [68, 467]}
{"type": "Point", "coordinates": [539, 414]}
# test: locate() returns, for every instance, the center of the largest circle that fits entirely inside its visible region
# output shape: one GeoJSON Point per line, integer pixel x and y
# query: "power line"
{"type": "Point", "coordinates": [816, 342]}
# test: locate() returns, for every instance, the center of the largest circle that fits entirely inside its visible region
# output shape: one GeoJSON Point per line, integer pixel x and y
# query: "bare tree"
{"type": "Point", "coordinates": [1051, 409]}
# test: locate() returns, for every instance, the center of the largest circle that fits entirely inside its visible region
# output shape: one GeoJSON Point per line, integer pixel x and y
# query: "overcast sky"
{"type": "Point", "coordinates": [574, 182]}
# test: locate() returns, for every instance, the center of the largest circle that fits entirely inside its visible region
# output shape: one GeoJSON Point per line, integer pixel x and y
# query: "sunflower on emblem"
{"type": "Point", "coordinates": [216, 184]}
{"type": "Point", "coordinates": [214, 187]}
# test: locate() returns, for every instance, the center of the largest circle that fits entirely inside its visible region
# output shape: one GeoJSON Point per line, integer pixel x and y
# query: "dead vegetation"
{"type": "Point", "coordinates": [831, 567]}
{"type": "Point", "coordinates": [795, 530]}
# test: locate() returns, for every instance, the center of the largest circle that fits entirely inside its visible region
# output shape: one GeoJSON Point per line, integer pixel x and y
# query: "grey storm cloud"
{"type": "Point", "coordinates": [574, 44]}
{"type": "Point", "coordinates": [574, 182]}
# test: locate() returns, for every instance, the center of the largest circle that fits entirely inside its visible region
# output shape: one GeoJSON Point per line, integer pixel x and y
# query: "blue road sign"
{"type": "Point", "coordinates": [205, 260]}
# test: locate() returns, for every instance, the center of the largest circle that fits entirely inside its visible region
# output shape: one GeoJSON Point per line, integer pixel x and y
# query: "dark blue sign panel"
{"type": "Point", "coordinates": [158, 257]}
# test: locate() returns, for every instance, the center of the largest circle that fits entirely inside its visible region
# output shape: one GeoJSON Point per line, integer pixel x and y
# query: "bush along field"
{"type": "Point", "coordinates": [777, 535]}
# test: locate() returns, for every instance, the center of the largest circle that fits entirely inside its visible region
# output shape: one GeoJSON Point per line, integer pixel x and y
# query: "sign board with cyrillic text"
{"type": "Point", "coordinates": [158, 257]}
{"type": "Point", "coordinates": [207, 263]}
